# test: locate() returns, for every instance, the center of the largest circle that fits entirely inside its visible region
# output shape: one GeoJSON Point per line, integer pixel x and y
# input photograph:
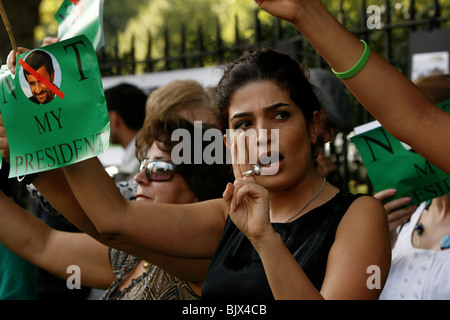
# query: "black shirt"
{"type": "Point", "coordinates": [236, 271]}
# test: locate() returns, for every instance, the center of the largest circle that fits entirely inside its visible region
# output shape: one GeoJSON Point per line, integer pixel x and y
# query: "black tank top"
{"type": "Point", "coordinates": [236, 271]}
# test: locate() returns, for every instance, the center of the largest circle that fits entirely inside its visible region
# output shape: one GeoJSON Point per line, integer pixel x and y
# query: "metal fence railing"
{"type": "Point", "coordinates": [390, 39]}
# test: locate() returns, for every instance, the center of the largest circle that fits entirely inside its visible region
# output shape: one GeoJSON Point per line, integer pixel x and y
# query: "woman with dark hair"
{"type": "Point", "coordinates": [384, 91]}
{"type": "Point", "coordinates": [280, 231]}
{"type": "Point", "coordinates": [278, 215]}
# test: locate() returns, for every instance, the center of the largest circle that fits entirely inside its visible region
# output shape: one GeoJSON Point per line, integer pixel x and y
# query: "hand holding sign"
{"type": "Point", "coordinates": [54, 110]}
{"type": "Point", "coordinates": [41, 77]}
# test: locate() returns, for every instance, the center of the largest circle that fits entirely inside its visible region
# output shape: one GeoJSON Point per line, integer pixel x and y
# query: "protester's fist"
{"type": "Point", "coordinates": [284, 9]}
{"type": "Point", "coordinates": [11, 59]}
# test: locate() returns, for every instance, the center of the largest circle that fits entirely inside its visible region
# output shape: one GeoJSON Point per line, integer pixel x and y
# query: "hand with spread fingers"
{"type": "Point", "coordinates": [397, 210]}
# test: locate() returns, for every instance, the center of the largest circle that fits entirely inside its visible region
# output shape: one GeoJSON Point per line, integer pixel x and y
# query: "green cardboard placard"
{"type": "Point", "coordinates": [7, 86]}
{"type": "Point", "coordinates": [393, 164]}
{"type": "Point", "coordinates": [77, 17]}
{"type": "Point", "coordinates": [58, 117]}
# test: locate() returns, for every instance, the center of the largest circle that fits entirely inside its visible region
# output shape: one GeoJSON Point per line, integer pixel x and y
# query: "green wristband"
{"type": "Point", "coordinates": [357, 67]}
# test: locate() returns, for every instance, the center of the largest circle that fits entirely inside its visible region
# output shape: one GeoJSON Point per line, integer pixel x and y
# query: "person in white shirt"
{"type": "Point", "coordinates": [420, 268]}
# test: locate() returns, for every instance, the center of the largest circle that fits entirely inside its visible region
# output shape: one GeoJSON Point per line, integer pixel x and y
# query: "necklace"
{"type": "Point", "coordinates": [419, 229]}
{"type": "Point", "coordinates": [307, 204]}
{"type": "Point", "coordinates": [445, 241]}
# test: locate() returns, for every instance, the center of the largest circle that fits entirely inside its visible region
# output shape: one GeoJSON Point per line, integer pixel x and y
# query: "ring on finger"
{"type": "Point", "coordinates": [255, 171]}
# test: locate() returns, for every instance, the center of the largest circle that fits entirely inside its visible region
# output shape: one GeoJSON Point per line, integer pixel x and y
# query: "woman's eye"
{"type": "Point", "coordinates": [242, 125]}
{"type": "Point", "coordinates": [281, 115]}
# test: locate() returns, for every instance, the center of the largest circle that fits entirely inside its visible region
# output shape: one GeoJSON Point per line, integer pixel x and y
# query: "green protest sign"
{"type": "Point", "coordinates": [77, 17]}
{"type": "Point", "coordinates": [54, 111]}
{"type": "Point", "coordinates": [7, 85]}
{"type": "Point", "coordinates": [392, 164]}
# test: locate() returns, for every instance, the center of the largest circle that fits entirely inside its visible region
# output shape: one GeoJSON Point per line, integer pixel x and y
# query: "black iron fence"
{"type": "Point", "coordinates": [388, 39]}
{"type": "Point", "coordinates": [386, 29]}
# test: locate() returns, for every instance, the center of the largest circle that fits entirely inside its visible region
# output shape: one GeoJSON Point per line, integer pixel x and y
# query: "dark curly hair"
{"type": "Point", "coordinates": [207, 181]}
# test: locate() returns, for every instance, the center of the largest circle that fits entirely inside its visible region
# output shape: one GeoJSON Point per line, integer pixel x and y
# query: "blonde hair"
{"type": "Point", "coordinates": [187, 98]}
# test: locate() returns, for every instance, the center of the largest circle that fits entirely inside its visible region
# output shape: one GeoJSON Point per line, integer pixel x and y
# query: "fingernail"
{"type": "Point", "coordinates": [407, 199]}
{"type": "Point", "coordinates": [232, 207]}
{"type": "Point", "coordinates": [392, 191]}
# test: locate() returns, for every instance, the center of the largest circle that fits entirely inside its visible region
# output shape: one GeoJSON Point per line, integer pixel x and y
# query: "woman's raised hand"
{"type": "Point", "coordinates": [284, 9]}
{"type": "Point", "coordinates": [11, 59]}
{"type": "Point", "coordinates": [248, 200]}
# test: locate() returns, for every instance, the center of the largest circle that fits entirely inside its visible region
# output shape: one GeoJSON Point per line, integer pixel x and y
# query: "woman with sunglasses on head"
{"type": "Point", "coordinates": [126, 277]}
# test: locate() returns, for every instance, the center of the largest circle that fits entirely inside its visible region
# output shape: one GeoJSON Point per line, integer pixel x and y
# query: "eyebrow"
{"type": "Point", "coordinates": [275, 106]}
{"type": "Point", "coordinates": [266, 109]}
{"type": "Point", "coordinates": [160, 158]}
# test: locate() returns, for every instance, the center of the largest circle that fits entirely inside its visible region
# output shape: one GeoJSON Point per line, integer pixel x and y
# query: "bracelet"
{"type": "Point", "coordinates": [358, 66]}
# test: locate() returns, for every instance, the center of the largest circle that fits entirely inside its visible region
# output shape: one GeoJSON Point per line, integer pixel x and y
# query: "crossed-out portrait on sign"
{"type": "Point", "coordinates": [39, 84]}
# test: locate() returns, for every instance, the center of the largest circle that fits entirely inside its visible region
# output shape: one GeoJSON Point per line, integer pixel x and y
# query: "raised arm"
{"type": "Point", "coordinates": [55, 189]}
{"type": "Point", "coordinates": [386, 93]}
{"type": "Point", "coordinates": [54, 186]}
{"type": "Point", "coordinates": [53, 250]}
{"type": "Point", "coordinates": [188, 231]}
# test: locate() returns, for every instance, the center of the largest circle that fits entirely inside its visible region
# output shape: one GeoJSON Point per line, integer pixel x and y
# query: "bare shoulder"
{"type": "Point", "coordinates": [362, 240]}
{"type": "Point", "coordinates": [364, 230]}
{"type": "Point", "coordinates": [364, 210]}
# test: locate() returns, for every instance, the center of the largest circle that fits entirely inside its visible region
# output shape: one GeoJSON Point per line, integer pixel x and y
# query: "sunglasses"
{"type": "Point", "coordinates": [158, 170]}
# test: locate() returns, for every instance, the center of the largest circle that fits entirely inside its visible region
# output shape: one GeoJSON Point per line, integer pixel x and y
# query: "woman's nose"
{"type": "Point", "coordinates": [266, 136]}
{"type": "Point", "coordinates": [141, 178]}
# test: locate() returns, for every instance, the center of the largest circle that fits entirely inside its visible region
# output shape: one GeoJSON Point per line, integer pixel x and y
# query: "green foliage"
{"type": "Point", "coordinates": [48, 25]}
{"type": "Point", "coordinates": [161, 16]}
{"type": "Point", "coordinates": [137, 24]}
{"type": "Point", "coordinates": [116, 16]}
